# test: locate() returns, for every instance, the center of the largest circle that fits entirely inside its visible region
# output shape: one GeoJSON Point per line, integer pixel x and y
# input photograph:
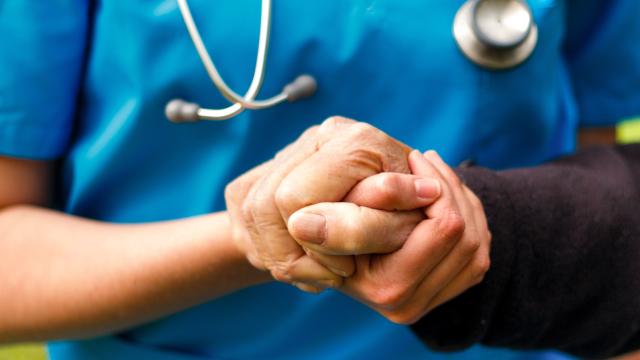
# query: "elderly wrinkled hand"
{"type": "Point", "coordinates": [444, 255]}
{"type": "Point", "coordinates": [323, 165]}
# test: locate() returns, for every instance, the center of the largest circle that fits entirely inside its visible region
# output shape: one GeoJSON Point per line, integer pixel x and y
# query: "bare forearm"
{"type": "Point", "coordinates": [66, 277]}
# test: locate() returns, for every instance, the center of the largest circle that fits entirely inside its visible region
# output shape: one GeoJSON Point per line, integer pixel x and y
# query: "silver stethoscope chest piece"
{"type": "Point", "coordinates": [496, 34]}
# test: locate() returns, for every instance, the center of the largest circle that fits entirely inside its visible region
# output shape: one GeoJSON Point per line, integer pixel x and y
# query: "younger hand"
{"type": "Point", "coordinates": [442, 257]}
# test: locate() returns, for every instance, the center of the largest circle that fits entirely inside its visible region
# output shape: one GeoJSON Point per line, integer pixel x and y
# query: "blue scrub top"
{"type": "Point", "coordinates": [87, 82]}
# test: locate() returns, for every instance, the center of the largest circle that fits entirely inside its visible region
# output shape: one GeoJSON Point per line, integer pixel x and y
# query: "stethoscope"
{"type": "Point", "coordinates": [493, 34]}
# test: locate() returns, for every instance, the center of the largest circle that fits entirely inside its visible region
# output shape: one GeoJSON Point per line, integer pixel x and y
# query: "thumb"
{"type": "Point", "coordinates": [348, 229]}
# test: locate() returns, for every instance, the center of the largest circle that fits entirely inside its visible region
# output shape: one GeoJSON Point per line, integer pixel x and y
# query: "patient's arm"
{"type": "Point", "coordinates": [565, 257]}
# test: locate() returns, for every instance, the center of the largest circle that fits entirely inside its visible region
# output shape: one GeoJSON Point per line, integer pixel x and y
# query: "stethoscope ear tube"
{"type": "Point", "coordinates": [181, 111]}
{"type": "Point", "coordinates": [178, 110]}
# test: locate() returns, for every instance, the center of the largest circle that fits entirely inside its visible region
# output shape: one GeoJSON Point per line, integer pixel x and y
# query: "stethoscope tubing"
{"type": "Point", "coordinates": [239, 102]}
{"type": "Point", "coordinates": [480, 50]}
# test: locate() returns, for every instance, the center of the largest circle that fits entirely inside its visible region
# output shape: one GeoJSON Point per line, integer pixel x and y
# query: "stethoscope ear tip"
{"type": "Point", "coordinates": [178, 110]}
{"type": "Point", "coordinates": [303, 86]}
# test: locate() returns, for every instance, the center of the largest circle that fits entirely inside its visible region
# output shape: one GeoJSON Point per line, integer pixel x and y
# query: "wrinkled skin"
{"type": "Point", "coordinates": [374, 242]}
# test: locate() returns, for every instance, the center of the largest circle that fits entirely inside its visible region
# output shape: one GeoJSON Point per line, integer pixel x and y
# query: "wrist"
{"type": "Point", "coordinates": [239, 267]}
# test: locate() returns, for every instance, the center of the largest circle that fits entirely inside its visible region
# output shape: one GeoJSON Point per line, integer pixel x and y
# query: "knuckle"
{"type": "Point", "coordinates": [352, 236]}
{"type": "Point", "coordinates": [247, 213]}
{"type": "Point", "coordinates": [363, 157]}
{"type": "Point", "coordinates": [481, 268]}
{"type": "Point", "coordinates": [311, 130]}
{"type": "Point", "coordinates": [280, 276]}
{"type": "Point", "coordinates": [230, 191]}
{"type": "Point", "coordinates": [334, 120]}
{"type": "Point", "coordinates": [476, 204]}
{"type": "Point", "coordinates": [387, 187]}
{"type": "Point", "coordinates": [453, 178]}
{"type": "Point", "coordinates": [330, 124]}
{"type": "Point", "coordinates": [283, 196]}
{"type": "Point", "coordinates": [452, 224]}
{"type": "Point", "coordinates": [389, 181]}
{"type": "Point", "coordinates": [361, 130]}
{"type": "Point", "coordinates": [282, 153]}
{"type": "Point", "coordinates": [471, 245]}
{"type": "Point", "coordinates": [347, 244]}
{"type": "Point", "coordinates": [281, 271]}
{"type": "Point", "coordinates": [389, 297]}
{"type": "Point", "coordinates": [360, 148]}
{"type": "Point", "coordinates": [287, 199]}
{"type": "Point", "coordinates": [309, 133]}
{"type": "Point", "coordinates": [255, 261]}
{"type": "Point", "coordinates": [260, 204]}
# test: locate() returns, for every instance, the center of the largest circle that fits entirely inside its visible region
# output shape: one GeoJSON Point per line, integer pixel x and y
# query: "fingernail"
{"type": "Point", "coordinates": [331, 284]}
{"type": "Point", "coordinates": [427, 189]}
{"type": "Point", "coordinates": [415, 153]}
{"type": "Point", "coordinates": [337, 271]}
{"type": "Point", "coordinates": [308, 227]}
{"type": "Point", "coordinates": [307, 288]}
{"type": "Point", "coordinates": [432, 155]}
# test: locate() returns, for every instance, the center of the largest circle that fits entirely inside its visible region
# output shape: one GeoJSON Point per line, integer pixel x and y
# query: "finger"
{"type": "Point", "coordinates": [470, 276]}
{"type": "Point", "coordinates": [402, 271]}
{"type": "Point", "coordinates": [261, 247]}
{"type": "Point", "coordinates": [235, 194]}
{"type": "Point", "coordinates": [445, 170]}
{"type": "Point", "coordinates": [421, 166]}
{"type": "Point", "coordinates": [395, 191]}
{"type": "Point", "coordinates": [431, 163]}
{"type": "Point", "coordinates": [466, 264]}
{"type": "Point", "coordinates": [348, 229]}
{"type": "Point", "coordinates": [354, 153]}
{"type": "Point", "coordinates": [476, 229]}
{"type": "Point", "coordinates": [433, 238]}
{"type": "Point", "coordinates": [480, 218]}
{"type": "Point", "coordinates": [474, 272]}
{"type": "Point", "coordinates": [442, 276]}
{"type": "Point", "coordinates": [465, 249]}
{"type": "Point", "coordinates": [296, 265]}
{"type": "Point", "coordinates": [280, 253]}
{"type": "Point", "coordinates": [419, 292]}
{"type": "Point", "coordinates": [343, 265]}
{"type": "Point", "coordinates": [306, 270]}
{"type": "Point", "coordinates": [308, 288]}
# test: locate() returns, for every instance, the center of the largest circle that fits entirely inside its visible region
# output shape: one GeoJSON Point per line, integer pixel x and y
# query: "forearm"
{"type": "Point", "coordinates": [66, 277]}
{"type": "Point", "coordinates": [565, 259]}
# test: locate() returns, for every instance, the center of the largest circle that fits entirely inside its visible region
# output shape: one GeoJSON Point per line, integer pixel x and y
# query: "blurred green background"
{"type": "Point", "coordinates": [23, 352]}
{"type": "Point", "coordinates": [628, 132]}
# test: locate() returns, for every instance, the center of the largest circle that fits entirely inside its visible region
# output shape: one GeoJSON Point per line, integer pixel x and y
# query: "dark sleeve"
{"type": "Point", "coordinates": [565, 253]}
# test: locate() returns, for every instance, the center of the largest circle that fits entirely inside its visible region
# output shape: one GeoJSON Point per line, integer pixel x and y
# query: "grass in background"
{"type": "Point", "coordinates": [628, 131]}
{"type": "Point", "coordinates": [23, 352]}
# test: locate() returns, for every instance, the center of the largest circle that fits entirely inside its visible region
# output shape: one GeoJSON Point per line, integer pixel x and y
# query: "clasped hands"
{"type": "Point", "coordinates": [350, 208]}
